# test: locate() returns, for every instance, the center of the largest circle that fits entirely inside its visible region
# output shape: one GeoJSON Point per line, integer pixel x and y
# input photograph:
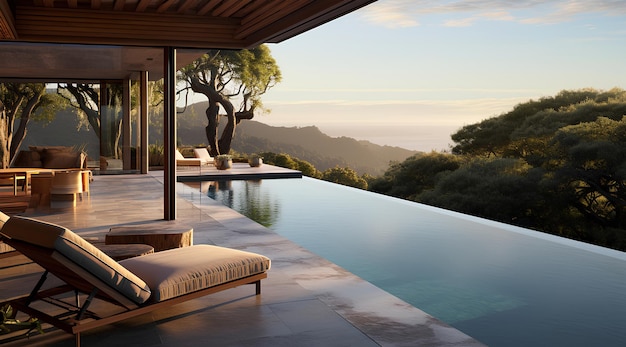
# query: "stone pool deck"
{"type": "Point", "coordinates": [305, 301]}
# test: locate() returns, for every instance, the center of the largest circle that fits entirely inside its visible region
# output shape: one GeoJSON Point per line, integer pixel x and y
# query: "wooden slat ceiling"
{"type": "Point", "coordinates": [49, 40]}
{"type": "Point", "coordinates": [178, 23]}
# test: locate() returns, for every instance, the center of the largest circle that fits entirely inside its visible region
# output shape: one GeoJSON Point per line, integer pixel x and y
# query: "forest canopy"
{"type": "Point", "coordinates": [556, 165]}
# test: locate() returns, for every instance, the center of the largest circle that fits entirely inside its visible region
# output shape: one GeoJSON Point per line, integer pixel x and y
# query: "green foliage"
{"type": "Point", "coordinates": [156, 155]}
{"type": "Point", "coordinates": [307, 168]}
{"type": "Point", "coordinates": [414, 175]}
{"type": "Point", "coordinates": [19, 103]}
{"type": "Point", "coordinates": [344, 176]}
{"type": "Point", "coordinates": [500, 189]}
{"type": "Point", "coordinates": [10, 324]}
{"type": "Point", "coordinates": [523, 131]}
{"type": "Point", "coordinates": [587, 160]}
{"type": "Point", "coordinates": [289, 162]}
{"type": "Point", "coordinates": [555, 165]}
{"type": "Point", "coordinates": [227, 76]}
{"type": "Point", "coordinates": [257, 71]}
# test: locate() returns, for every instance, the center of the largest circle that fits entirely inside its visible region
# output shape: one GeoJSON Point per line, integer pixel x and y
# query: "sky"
{"type": "Point", "coordinates": [409, 73]}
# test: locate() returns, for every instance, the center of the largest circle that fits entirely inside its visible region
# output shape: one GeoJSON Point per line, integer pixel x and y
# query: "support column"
{"type": "Point", "coordinates": [169, 133]}
{"type": "Point", "coordinates": [126, 124]}
{"type": "Point", "coordinates": [142, 150]}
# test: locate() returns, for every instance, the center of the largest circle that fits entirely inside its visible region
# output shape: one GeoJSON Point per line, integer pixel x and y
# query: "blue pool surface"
{"type": "Point", "coordinates": [503, 285]}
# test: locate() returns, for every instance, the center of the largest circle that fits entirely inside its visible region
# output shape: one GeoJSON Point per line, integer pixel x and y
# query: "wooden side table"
{"type": "Point", "coordinates": [158, 236]}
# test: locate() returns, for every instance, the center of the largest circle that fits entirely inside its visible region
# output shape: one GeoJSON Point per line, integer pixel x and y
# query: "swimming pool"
{"type": "Point", "coordinates": [503, 285]}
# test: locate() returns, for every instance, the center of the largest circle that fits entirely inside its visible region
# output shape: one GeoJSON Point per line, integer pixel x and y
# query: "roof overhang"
{"type": "Point", "coordinates": [111, 39]}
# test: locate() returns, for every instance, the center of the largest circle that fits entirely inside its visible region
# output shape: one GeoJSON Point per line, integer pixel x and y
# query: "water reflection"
{"type": "Point", "coordinates": [248, 200]}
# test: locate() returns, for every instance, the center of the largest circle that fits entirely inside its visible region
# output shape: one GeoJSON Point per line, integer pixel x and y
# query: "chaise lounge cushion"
{"type": "Point", "coordinates": [188, 269]}
{"type": "Point", "coordinates": [4, 248]}
{"type": "Point", "coordinates": [81, 252]}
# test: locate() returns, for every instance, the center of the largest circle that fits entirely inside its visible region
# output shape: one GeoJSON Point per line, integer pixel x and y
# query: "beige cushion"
{"type": "Point", "coordinates": [184, 270]}
{"type": "Point", "coordinates": [3, 219]}
{"type": "Point", "coordinates": [4, 248]}
{"type": "Point", "coordinates": [203, 154]}
{"type": "Point", "coordinates": [81, 252]}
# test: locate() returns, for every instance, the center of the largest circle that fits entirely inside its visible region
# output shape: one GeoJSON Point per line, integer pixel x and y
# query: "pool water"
{"type": "Point", "coordinates": [503, 285]}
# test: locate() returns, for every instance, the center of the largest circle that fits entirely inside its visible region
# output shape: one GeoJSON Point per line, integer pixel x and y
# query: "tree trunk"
{"type": "Point", "coordinates": [4, 141]}
{"type": "Point", "coordinates": [228, 133]}
{"type": "Point", "coordinates": [20, 133]}
{"type": "Point", "coordinates": [211, 129]}
{"type": "Point", "coordinates": [221, 146]}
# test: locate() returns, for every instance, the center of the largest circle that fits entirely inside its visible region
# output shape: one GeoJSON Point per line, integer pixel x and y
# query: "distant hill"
{"type": "Point", "coordinates": [306, 143]}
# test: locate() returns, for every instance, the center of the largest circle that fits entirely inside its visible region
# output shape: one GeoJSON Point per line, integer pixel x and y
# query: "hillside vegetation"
{"type": "Point", "coordinates": [556, 165]}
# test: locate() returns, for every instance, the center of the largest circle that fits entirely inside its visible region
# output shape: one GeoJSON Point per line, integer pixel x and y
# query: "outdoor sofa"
{"type": "Point", "coordinates": [50, 157]}
{"type": "Point", "coordinates": [135, 286]}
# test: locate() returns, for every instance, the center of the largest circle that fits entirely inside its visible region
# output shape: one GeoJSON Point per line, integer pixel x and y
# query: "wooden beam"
{"type": "Point", "coordinates": [119, 5]}
{"type": "Point", "coordinates": [208, 7]}
{"type": "Point", "coordinates": [268, 15]}
{"type": "Point", "coordinates": [166, 5]}
{"type": "Point", "coordinates": [7, 22]}
{"type": "Point", "coordinates": [142, 5]}
{"type": "Point", "coordinates": [126, 28]}
{"type": "Point", "coordinates": [308, 17]}
{"type": "Point", "coordinates": [228, 8]}
{"type": "Point", "coordinates": [186, 5]}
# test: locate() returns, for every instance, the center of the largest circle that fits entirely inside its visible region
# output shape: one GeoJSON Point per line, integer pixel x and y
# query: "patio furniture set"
{"type": "Point", "coordinates": [126, 276]}
{"type": "Point", "coordinates": [50, 172]}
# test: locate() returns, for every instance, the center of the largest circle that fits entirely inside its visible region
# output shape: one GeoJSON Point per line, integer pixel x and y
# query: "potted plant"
{"type": "Point", "coordinates": [255, 160]}
{"type": "Point", "coordinates": [10, 324]}
{"type": "Point", "coordinates": [223, 161]}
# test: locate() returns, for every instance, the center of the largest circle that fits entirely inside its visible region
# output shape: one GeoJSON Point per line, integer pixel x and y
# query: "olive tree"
{"type": "Point", "coordinates": [225, 76]}
{"type": "Point", "coordinates": [19, 103]}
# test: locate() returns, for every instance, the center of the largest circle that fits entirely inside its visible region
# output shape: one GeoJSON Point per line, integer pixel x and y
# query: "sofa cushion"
{"type": "Point", "coordinates": [81, 252]}
{"type": "Point", "coordinates": [188, 269]}
{"type": "Point", "coordinates": [61, 160]}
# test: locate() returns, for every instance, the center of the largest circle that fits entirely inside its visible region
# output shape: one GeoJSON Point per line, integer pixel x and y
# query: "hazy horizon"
{"type": "Point", "coordinates": [409, 73]}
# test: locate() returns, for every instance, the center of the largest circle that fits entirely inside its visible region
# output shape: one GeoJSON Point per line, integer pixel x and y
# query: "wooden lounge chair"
{"type": "Point", "coordinates": [203, 154]}
{"type": "Point", "coordinates": [5, 250]}
{"type": "Point", "coordinates": [182, 161]}
{"type": "Point", "coordinates": [135, 285]}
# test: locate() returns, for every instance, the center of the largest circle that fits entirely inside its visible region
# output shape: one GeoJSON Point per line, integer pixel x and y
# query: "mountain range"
{"type": "Point", "coordinates": [305, 143]}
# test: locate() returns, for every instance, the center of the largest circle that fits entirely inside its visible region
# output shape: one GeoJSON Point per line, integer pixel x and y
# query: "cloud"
{"type": "Point", "coordinates": [389, 15]}
{"type": "Point", "coordinates": [407, 13]}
